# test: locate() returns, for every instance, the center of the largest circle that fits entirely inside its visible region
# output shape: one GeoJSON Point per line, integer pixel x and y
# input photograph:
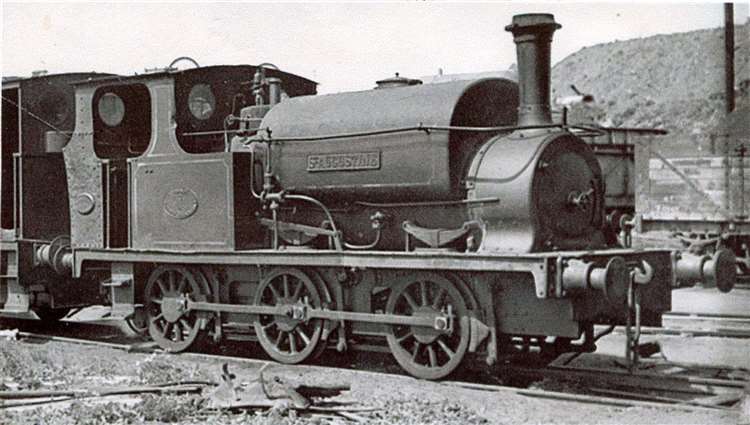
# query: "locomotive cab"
{"type": "Point", "coordinates": [159, 143]}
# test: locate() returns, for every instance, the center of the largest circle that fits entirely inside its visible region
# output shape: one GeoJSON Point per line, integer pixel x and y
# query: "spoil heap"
{"type": "Point", "coordinates": [672, 81]}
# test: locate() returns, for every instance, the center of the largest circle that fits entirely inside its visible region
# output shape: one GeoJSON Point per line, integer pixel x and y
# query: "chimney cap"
{"type": "Point", "coordinates": [533, 22]}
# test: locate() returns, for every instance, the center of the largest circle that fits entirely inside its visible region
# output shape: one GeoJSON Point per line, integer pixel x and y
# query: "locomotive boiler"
{"type": "Point", "coordinates": [438, 165]}
{"type": "Point", "coordinates": [449, 220]}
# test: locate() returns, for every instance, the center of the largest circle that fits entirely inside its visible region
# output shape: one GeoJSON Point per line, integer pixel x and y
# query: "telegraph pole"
{"type": "Point", "coordinates": [729, 55]}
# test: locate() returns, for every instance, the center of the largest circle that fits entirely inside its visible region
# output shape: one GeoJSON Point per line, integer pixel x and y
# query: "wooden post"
{"type": "Point", "coordinates": [729, 55]}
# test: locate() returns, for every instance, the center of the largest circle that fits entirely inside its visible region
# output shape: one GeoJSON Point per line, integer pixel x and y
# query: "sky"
{"type": "Point", "coordinates": [343, 46]}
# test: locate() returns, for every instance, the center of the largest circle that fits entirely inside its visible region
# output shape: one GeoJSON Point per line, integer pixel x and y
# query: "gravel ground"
{"type": "Point", "coordinates": [400, 400]}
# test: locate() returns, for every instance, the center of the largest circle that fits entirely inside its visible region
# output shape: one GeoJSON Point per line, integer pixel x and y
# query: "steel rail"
{"type": "Point", "coordinates": [583, 398]}
{"type": "Point", "coordinates": [45, 337]}
{"type": "Point", "coordinates": [707, 316]}
{"type": "Point", "coordinates": [736, 326]}
{"type": "Point", "coordinates": [704, 391]}
{"type": "Point", "coordinates": [720, 332]}
{"type": "Point", "coordinates": [673, 383]}
{"type": "Point", "coordinates": [701, 324]}
{"type": "Point", "coordinates": [101, 391]}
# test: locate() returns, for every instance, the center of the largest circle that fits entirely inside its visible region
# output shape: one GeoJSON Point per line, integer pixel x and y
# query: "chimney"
{"type": "Point", "coordinates": [532, 34]}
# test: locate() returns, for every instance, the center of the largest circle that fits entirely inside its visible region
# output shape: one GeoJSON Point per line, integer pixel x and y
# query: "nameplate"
{"type": "Point", "coordinates": [344, 161]}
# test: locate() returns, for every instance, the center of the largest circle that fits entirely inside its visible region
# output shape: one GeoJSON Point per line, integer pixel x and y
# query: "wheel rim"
{"type": "Point", "coordinates": [170, 324]}
{"type": "Point", "coordinates": [424, 352]}
{"type": "Point", "coordinates": [286, 339]}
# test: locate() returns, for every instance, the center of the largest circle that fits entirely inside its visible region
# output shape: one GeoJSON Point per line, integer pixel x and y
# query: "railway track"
{"type": "Point", "coordinates": [701, 324]}
{"type": "Point", "coordinates": [704, 324]}
{"type": "Point", "coordinates": [725, 319]}
{"type": "Point", "coordinates": [708, 388]}
{"type": "Point", "coordinates": [691, 387]}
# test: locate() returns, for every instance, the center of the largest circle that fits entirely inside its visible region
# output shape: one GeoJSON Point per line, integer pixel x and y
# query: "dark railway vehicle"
{"type": "Point", "coordinates": [694, 191]}
{"type": "Point", "coordinates": [687, 193]}
{"type": "Point", "coordinates": [683, 193]}
{"type": "Point", "coordinates": [615, 148]}
{"type": "Point", "coordinates": [676, 192]}
{"type": "Point", "coordinates": [38, 117]}
{"type": "Point", "coordinates": [450, 218]}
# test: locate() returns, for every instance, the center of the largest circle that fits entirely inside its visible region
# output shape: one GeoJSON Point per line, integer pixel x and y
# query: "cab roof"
{"type": "Point", "coordinates": [208, 70]}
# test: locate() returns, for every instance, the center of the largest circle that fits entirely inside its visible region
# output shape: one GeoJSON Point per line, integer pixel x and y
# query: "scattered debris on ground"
{"type": "Point", "coordinates": [164, 391]}
{"type": "Point", "coordinates": [78, 384]}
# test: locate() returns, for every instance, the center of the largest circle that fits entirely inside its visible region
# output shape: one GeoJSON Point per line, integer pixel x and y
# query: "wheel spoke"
{"type": "Point", "coordinates": [157, 318]}
{"type": "Point", "coordinates": [433, 356]}
{"type": "Point", "coordinates": [185, 324]}
{"type": "Point", "coordinates": [445, 348]}
{"type": "Point", "coordinates": [167, 329]}
{"type": "Point", "coordinates": [157, 300]}
{"type": "Point", "coordinates": [163, 327]}
{"type": "Point", "coordinates": [303, 335]}
{"type": "Point", "coordinates": [276, 296]}
{"type": "Point", "coordinates": [415, 351]}
{"type": "Point", "coordinates": [160, 283]}
{"type": "Point", "coordinates": [268, 325]}
{"type": "Point", "coordinates": [278, 338]}
{"type": "Point", "coordinates": [297, 291]}
{"type": "Point", "coordinates": [178, 332]}
{"type": "Point", "coordinates": [405, 337]}
{"type": "Point", "coordinates": [170, 275]}
{"type": "Point", "coordinates": [292, 343]}
{"type": "Point", "coordinates": [285, 283]}
{"type": "Point", "coordinates": [423, 292]}
{"type": "Point", "coordinates": [436, 302]}
{"type": "Point", "coordinates": [411, 301]}
{"type": "Point", "coordinates": [182, 284]}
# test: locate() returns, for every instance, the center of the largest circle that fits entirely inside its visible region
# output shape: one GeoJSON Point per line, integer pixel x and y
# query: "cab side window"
{"type": "Point", "coordinates": [200, 116]}
{"type": "Point", "coordinates": [122, 121]}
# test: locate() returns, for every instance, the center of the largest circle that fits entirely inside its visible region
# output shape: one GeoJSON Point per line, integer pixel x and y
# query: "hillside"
{"type": "Point", "coordinates": [673, 81]}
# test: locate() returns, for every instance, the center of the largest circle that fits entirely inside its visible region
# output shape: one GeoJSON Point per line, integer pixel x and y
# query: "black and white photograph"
{"type": "Point", "coordinates": [393, 212]}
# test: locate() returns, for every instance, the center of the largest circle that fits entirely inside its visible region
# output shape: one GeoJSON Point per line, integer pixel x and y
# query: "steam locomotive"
{"type": "Point", "coordinates": [451, 219]}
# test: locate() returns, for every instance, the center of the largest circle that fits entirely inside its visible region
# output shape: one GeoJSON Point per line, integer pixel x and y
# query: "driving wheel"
{"type": "Point", "coordinates": [170, 324]}
{"type": "Point", "coordinates": [288, 338]}
{"type": "Point", "coordinates": [428, 352]}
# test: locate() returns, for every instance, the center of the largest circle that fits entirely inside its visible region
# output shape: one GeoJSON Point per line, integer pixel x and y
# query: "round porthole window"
{"type": "Point", "coordinates": [201, 101]}
{"type": "Point", "coordinates": [111, 109]}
